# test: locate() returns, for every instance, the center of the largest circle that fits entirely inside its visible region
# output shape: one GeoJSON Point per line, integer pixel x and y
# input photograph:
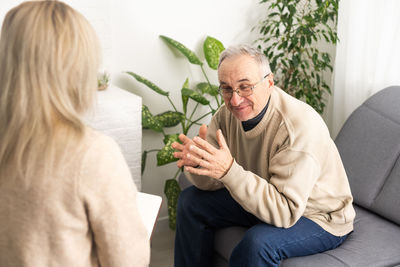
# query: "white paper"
{"type": "Point", "coordinates": [149, 206]}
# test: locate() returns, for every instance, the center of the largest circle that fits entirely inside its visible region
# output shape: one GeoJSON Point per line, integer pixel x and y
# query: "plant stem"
{"type": "Point", "coordinates": [153, 150]}
{"type": "Point", "coordinates": [209, 84]}
{"type": "Point", "coordinates": [193, 122]}
{"type": "Point", "coordinates": [170, 101]}
{"type": "Point", "coordinates": [191, 115]}
{"type": "Point", "coordinates": [185, 128]}
{"type": "Point", "coordinates": [218, 104]}
{"type": "Point", "coordinates": [176, 174]}
{"type": "Point", "coordinates": [205, 75]}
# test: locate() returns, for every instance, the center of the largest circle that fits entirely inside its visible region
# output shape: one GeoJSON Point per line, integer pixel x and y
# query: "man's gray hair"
{"type": "Point", "coordinates": [245, 49]}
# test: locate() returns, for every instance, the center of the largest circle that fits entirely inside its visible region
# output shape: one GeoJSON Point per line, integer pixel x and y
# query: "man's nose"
{"type": "Point", "coordinates": [236, 99]}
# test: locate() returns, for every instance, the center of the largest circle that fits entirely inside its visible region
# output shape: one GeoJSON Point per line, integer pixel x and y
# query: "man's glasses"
{"type": "Point", "coordinates": [243, 90]}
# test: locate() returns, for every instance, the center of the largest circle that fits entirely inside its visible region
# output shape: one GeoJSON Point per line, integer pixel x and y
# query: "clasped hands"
{"type": "Point", "coordinates": [199, 157]}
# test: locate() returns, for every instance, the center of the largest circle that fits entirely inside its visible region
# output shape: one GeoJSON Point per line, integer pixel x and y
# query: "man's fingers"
{"type": "Point", "coordinates": [178, 155]}
{"type": "Point", "coordinates": [198, 171]}
{"type": "Point", "coordinates": [200, 152]}
{"type": "Point", "coordinates": [184, 139]}
{"type": "Point", "coordinates": [198, 161]}
{"type": "Point", "coordinates": [179, 163]}
{"type": "Point", "coordinates": [178, 146]}
{"type": "Point", "coordinates": [203, 131]}
{"type": "Point", "coordinates": [221, 139]}
{"type": "Point", "coordinates": [204, 144]}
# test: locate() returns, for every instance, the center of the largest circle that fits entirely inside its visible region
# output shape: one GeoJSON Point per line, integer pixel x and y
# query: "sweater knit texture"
{"type": "Point", "coordinates": [83, 215]}
{"type": "Point", "coordinates": [285, 167]}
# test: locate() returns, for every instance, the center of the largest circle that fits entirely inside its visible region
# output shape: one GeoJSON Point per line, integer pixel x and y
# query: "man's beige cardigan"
{"type": "Point", "coordinates": [286, 167]}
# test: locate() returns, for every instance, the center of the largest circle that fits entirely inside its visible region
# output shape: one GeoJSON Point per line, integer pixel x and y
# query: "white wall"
{"type": "Point", "coordinates": [98, 12]}
{"type": "Point", "coordinates": [129, 30]}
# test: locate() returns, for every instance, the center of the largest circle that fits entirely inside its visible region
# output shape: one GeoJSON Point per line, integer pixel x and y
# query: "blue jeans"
{"type": "Point", "coordinates": [201, 213]}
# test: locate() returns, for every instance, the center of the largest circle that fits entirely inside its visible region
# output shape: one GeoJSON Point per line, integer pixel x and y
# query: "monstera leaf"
{"type": "Point", "coordinates": [165, 155]}
{"type": "Point", "coordinates": [212, 50]}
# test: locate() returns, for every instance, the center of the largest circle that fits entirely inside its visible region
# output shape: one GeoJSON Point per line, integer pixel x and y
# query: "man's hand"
{"type": "Point", "coordinates": [214, 162]}
{"type": "Point", "coordinates": [184, 148]}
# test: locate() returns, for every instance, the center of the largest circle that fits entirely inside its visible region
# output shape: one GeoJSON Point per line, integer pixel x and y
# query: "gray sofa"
{"type": "Point", "coordinates": [369, 144]}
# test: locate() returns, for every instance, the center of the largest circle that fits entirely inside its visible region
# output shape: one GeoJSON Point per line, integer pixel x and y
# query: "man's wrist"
{"type": "Point", "coordinates": [227, 170]}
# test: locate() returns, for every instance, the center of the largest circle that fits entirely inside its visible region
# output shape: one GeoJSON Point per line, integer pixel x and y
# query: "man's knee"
{"type": "Point", "coordinates": [252, 250]}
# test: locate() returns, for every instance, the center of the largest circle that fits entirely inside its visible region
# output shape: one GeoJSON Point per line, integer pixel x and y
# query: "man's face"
{"type": "Point", "coordinates": [239, 71]}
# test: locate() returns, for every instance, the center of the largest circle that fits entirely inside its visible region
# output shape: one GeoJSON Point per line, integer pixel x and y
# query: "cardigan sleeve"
{"type": "Point", "coordinates": [281, 201]}
{"type": "Point", "coordinates": [109, 195]}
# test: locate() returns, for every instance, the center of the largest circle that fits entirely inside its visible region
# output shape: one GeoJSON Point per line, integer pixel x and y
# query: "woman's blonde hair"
{"type": "Point", "coordinates": [49, 57]}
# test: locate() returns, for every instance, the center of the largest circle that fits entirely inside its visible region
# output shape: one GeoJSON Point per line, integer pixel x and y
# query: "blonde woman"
{"type": "Point", "coordinates": [66, 194]}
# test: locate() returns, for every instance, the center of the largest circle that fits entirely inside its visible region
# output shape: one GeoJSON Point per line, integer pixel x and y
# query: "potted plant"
{"type": "Point", "coordinates": [103, 80]}
{"type": "Point", "coordinates": [289, 37]}
{"type": "Point", "coordinates": [186, 118]}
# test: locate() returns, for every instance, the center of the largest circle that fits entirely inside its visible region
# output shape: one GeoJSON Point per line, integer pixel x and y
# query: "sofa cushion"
{"type": "Point", "coordinates": [369, 144]}
{"type": "Point", "coordinates": [226, 240]}
{"type": "Point", "coordinates": [374, 242]}
{"type": "Point", "coordinates": [387, 203]}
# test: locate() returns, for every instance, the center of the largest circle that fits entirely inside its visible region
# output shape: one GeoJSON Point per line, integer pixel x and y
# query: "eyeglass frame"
{"type": "Point", "coordinates": [237, 90]}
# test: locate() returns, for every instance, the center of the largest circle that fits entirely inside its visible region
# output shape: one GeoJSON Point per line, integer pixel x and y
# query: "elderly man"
{"type": "Point", "coordinates": [266, 162]}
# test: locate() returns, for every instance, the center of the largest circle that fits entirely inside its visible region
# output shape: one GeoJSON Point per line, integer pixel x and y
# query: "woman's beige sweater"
{"type": "Point", "coordinates": [84, 215]}
{"type": "Point", "coordinates": [286, 167]}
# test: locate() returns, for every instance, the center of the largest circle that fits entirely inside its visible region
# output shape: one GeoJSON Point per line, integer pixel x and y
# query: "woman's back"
{"type": "Point", "coordinates": [55, 220]}
{"type": "Point", "coordinates": [66, 194]}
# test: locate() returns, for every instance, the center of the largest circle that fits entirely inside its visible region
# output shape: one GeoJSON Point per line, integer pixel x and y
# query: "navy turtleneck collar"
{"type": "Point", "coordinates": [250, 124]}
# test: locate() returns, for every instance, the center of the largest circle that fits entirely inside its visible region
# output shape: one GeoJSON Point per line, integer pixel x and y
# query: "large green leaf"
{"type": "Point", "coordinates": [148, 120]}
{"type": "Point", "coordinates": [169, 118]}
{"type": "Point", "coordinates": [148, 83]}
{"type": "Point", "coordinates": [205, 88]}
{"type": "Point", "coordinates": [170, 138]}
{"type": "Point", "coordinates": [195, 96]}
{"type": "Point", "coordinates": [185, 99]}
{"type": "Point", "coordinates": [165, 155]}
{"type": "Point", "coordinates": [191, 56]}
{"type": "Point", "coordinates": [212, 49]}
{"type": "Point", "coordinates": [172, 191]}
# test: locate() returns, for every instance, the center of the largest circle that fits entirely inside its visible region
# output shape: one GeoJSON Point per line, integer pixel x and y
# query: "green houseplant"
{"type": "Point", "coordinates": [103, 80]}
{"type": "Point", "coordinates": [187, 117]}
{"type": "Point", "coordinates": [289, 37]}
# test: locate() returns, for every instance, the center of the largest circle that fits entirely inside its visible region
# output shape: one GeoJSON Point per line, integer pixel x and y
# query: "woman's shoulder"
{"type": "Point", "coordinates": [102, 159]}
{"type": "Point", "coordinates": [98, 147]}
{"type": "Point", "coordinates": [96, 140]}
